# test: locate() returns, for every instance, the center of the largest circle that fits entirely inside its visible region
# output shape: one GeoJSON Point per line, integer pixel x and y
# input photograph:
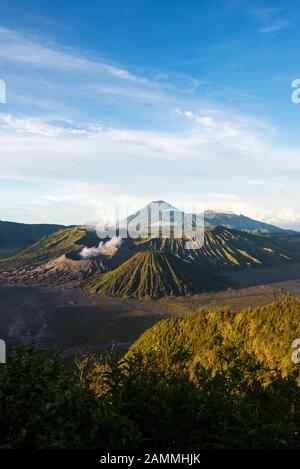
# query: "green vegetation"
{"type": "Point", "coordinates": [155, 275]}
{"type": "Point", "coordinates": [158, 267]}
{"type": "Point", "coordinates": [164, 268]}
{"type": "Point", "coordinates": [227, 249]}
{"type": "Point", "coordinates": [48, 247]}
{"type": "Point", "coordinates": [266, 333]}
{"type": "Point", "coordinates": [44, 406]}
{"type": "Point", "coordinates": [212, 380]}
{"type": "Point", "coordinates": [291, 243]}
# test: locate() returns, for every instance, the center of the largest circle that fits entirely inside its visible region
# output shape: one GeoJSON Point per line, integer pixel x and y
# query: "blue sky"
{"type": "Point", "coordinates": [149, 99]}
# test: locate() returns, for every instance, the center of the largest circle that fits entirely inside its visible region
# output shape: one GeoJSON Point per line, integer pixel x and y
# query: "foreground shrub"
{"type": "Point", "coordinates": [42, 406]}
{"type": "Point", "coordinates": [147, 401]}
{"type": "Point", "coordinates": [176, 407]}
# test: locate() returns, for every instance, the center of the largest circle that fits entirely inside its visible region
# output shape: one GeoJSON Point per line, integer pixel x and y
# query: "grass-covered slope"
{"type": "Point", "coordinates": [155, 275]}
{"type": "Point", "coordinates": [223, 248]}
{"type": "Point", "coordinates": [266, 334]}
{"type": "Point", "coordinates": [48, 247]}
{"type": "Point", "coordinates": [226, 249]}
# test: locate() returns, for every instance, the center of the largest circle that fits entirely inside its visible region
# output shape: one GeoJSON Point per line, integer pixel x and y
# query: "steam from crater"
{"type": "Point", "coordinates": [88, 253]}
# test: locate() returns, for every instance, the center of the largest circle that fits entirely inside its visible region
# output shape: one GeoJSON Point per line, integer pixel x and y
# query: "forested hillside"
{"type": "Point", "coordinates": [211, 380]}
{"type": "Point", "coordinates": [19, 235]}
{"type": "Point", "coordinates": [264, 333]}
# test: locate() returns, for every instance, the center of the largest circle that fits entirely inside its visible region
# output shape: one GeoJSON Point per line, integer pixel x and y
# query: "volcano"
{"type": "Point", "coordinates": [154, 275]}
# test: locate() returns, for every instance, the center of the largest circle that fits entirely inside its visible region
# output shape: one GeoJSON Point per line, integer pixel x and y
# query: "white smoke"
{"type": "Point", "coordinates": [88, 253]}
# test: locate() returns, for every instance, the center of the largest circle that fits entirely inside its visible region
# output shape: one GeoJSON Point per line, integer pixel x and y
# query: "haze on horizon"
{"type": "Point", "coordinates": [187, 103]}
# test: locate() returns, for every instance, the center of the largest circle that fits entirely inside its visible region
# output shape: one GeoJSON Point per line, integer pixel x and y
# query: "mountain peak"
{"type": "Point", "coordinates": [211, 218]}
{"type": "Point", "coordinates": [159, 203]}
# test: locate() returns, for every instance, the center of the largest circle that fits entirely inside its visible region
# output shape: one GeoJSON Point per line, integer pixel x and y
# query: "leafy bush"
{"type": "Point", "coordinates": [266, 333]}
{"type": "Point", "coordinates": [174, 408]}
{"type": "Point", "coordinates": [212, 380]}
{"type": "Point", "coordinates": [42, 406]}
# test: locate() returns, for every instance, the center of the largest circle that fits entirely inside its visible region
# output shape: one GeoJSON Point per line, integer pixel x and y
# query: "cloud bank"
{"type": "Point", "coordinates": [64, 160]}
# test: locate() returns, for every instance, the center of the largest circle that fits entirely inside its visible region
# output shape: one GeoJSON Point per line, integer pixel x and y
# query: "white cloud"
{"type": "Point", "coordinates": [21, 48]}
{"type": "Point", "coordinates": [275, 26]}
{"type": "Point", "coordinates": [204, 152]}
{"type": "Point", "coordinates": [287, 217]}
{"type": "Point", "coordinates": [215, 154]}
{"type": "Point", "coordinates": [56, 77]}
{"type": "Point", "coordinates": [36, 126]}
{"type": "Point", "coordinates": [270, 19]}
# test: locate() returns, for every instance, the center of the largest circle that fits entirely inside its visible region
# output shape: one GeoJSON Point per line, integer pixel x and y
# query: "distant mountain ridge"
{"type": "Point", "coordinates": [20, 235]}
{"type": "Point", "coordinates": [57, 257]}
{"type": "Point", "coordinates": [241, 223]}
{"type": "Point", "coordinates": [225, 249]}
{"type": "Point", "coordinates": [151, 266]}
{"type": "Point", "coordinates": [209, 217]}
